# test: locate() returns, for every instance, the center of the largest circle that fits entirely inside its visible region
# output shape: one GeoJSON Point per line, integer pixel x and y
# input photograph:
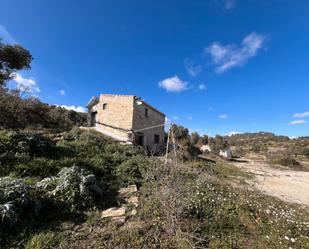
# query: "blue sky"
{"type": "Point", "coordinates": [215, 66]}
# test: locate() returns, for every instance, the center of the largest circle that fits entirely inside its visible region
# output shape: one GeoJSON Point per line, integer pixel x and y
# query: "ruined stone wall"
{"type": "Point", "coordinates": [141, 121]}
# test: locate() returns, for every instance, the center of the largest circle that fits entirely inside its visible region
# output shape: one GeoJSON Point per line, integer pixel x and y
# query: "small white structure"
{"type": "Point", "coordinates": [226, 153]}
{"type": "Point", "coordinates": [205, 148]}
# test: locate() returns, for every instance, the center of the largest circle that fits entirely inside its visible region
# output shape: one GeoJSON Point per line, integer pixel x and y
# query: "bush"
{"type": "Point", "coordinates": [30, 143]}
{"type": "Point", "coordinates": [44, 240]}
{"type": "Point", "coordinates": [14, 200]}
{"type": "Point", "coordinates": [286, 161]}
{"type": "Point", "coordinates": [74, 187]}
{"type": "Point", "coordinates": [132, 170]}
{"type": "Point", "coordinates": [20, 112]}
{"type": "Point", "coordinates": [40, 167]}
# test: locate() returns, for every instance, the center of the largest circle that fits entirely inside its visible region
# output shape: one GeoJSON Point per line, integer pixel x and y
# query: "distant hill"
{"type": "Point", "coordinates": [269, 144]}
{"type": "Point", "coordinates": [19, 112]}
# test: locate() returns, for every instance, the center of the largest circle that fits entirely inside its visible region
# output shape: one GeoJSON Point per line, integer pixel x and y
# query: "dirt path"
{"type": "Point", "coordinates": [288, 185]}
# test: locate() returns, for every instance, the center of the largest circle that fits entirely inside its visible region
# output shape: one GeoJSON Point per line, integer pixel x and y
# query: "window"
{"type": "Point", "coordinates": [156, 139]}
{"type": "Point", "coordinates": [146, 112]}
{"type": "Point", "coordinates": [104, 106]}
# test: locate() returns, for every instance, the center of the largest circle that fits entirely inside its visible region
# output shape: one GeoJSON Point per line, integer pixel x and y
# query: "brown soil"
{"type": "Point", "coordinates": [289, 185]}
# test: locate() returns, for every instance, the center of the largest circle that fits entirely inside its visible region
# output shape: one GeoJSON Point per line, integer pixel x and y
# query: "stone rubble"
{"type": "Point", "coordinates": [118, 214]}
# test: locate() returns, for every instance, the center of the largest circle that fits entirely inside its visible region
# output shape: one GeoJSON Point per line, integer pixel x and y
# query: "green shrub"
{"type": "Point", "coordinates": [15, 198]}
{"type": "Point", "coordinates": [74, 187]}
{"type": "Point", "coordinates": [44, 240]}
{"type": "Point", "coordinates": [41, 167]}
{"type": "Point", "coordinates": [30, 143]}
{"type": "Point", "coordinates": [131, 171]}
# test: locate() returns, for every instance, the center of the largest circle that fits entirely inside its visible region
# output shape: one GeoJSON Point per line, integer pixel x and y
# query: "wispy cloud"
{"type": "Point", "coordinates": [6, 36]}
{"type": "Point", "coordinates": [229, 3]}
{"type": "Point", "coordinates": [62, 92]}
{"type": "Point", "coordinates": [189, 118]}
{"type": "Point", "coordinates": [202, 87]}
{"type": "Point", "coordinates": [192, 69]}
{"type": "Point", "coordinates": [228, 56]}
{"type": "Point", "coordinates": [298, 122]}
{"type": "Point", "coordinates": [28, 85]}
{"type": "Point", "coordinates": [173, 84]}
{"type": "Point", "coordinates": [73, 108]}
{"type": "Point", "coordinates": [175, 118]}
{"type": "Point", "coordinates": [223, 116]}
{"type": "Point", "coordinates": [301, 115]}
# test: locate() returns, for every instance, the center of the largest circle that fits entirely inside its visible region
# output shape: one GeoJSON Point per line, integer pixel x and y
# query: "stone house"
{"type": "Point", "coordinates": [127, 118]}
{"type": "Point", "coordinates": [226, 153]}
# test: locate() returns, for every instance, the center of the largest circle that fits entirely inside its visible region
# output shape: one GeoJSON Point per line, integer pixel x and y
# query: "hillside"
{"type": "Point", "coordinates": [19, 110]}
{"type": "Point", "coordinates": [275, 149]}
{"type": "Point", "coordinates": [46, 202]}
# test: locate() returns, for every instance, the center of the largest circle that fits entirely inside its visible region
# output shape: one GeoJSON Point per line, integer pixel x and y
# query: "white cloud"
{"type": "Point", "coordinates": [175, 118]}
{"type": "Point", "coordinates": [297, 122]}
{"type": "Point", "coordinates": [62, 92]}
{"type": "Point", "coordinates": [229, 3]}
{"type": "Point", "coordinates": [167, 120]}
{"type": "Point", "coordinates": [223, 116]}
{"type": "Point", "coordinates": [232, 133]}
{"type": "Point", "coordinates": [173, 84]}
{"type": "Point", "coordinates": [301, 115]}
{"type": "Point", "coordinates": [228, 56]}
{"type": "Point", "coordinates": [6, 36]}
{"type": "Point", "coordinates": [192, 69]}
{"type": "Point", "coordinates": [189, 118]}
{"type": "Point", "coordinates": [74, 108]}
{"type": "Point", "coordinates": [210, 108]}
{"type": "Point", "coordinates": [202, 87]}
{"type": "Point", "coordinates": [27, 85]}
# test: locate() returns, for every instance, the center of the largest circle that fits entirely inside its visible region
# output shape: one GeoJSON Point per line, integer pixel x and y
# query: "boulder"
{"type": "Point", "coordinates": [114, 212]}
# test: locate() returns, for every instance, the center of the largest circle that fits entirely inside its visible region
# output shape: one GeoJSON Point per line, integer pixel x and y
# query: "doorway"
{"type": "Point", "coordinates": [93, 119]}
{"type": "Point", "coordinates": [140, 139]}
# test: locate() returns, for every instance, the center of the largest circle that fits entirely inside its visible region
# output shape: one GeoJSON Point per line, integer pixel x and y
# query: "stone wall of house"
{"type": "Point", "coordinates": [116, 117]}
{"type": "Point", "coordinates": [141, 121]}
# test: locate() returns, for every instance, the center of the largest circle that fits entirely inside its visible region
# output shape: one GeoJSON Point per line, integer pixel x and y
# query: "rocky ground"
{"type": "Point", "coordinates": [288, 185]}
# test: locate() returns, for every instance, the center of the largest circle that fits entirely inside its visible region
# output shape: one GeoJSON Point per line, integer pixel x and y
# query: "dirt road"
{"type": "Point", "coordinates": [288, 185]}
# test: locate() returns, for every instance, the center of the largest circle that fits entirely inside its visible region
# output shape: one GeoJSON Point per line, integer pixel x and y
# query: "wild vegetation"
{"type": "Point", "coordinates": [21, 111]}
{"type": "Point", "coordinates": [278, 150]}
{"type": "Point", "coordinates": [189, 145]}
{"type": "Point", "coordinates": [48, 187]}
{"type": "Point", "coordinates": [43, 180]}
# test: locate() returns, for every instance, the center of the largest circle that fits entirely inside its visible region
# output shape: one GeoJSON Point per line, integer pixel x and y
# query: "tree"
{"type": "Point", "coordinates": [12, 59]}
{"type": "Point", "coordinates": [185, 142]}
{"type": "Point", "coordinates": [180, 132]}
{"type": "Point", "coordinates": [195, 137]}
{"type": "Point", "coordinates": [204, 139]}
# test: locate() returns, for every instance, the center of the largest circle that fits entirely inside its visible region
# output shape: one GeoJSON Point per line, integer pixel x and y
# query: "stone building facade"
{"type": "Point", "coordinates": [127, 118]}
